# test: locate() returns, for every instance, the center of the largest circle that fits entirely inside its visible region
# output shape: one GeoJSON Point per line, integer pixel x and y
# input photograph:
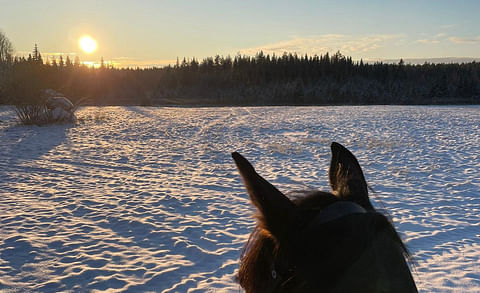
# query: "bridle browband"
{"type": "Point", "coordinates": [332, 212]}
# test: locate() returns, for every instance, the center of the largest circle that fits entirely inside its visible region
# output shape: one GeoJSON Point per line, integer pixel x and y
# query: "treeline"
{"type": "Point", "coordinates": [28, 78]}
{"type": "Point", "coordinates": [262, 79]}
{"type": "Point", "coordinates": [317, 80]}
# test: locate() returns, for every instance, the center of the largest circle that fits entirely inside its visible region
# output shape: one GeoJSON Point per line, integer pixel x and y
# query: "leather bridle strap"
{"type": "Point", "coordinates": [336, 211]}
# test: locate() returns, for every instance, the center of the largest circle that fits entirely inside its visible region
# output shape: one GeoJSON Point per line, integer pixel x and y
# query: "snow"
{"type": "Point", "coordinates": [148, 198]}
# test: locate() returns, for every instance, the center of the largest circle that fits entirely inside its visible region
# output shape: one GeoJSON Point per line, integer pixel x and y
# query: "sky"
{"type": "Point", "coordinates": [149, 33]}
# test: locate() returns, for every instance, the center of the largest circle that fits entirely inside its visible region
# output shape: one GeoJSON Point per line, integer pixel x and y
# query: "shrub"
{"type": "Point", "coordinates": [34, 114]}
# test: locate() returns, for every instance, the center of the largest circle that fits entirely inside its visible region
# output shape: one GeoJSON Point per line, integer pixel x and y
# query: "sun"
{"type": "Point", "coordinates": [87, 44]}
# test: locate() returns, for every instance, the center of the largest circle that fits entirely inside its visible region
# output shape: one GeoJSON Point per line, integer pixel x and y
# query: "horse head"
{"type": "Point", "coordinates": [323, 241]}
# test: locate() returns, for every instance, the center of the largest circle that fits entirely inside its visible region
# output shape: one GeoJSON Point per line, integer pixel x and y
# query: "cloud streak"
{"type": "Point", "coordinates": [124, 62]}
{"type": "Point", "coordinates": [127, 62]}
{"type": "Point", "coordinates": [444, 37]}
{"type": "Point", "coordinates": [428, 41]}
{"type": "Point", "coordinates": [460, 40]}
{"type": "Point", "coordinates": [347, 44]}
{"type": "Point", "coordinates": [435, 39]}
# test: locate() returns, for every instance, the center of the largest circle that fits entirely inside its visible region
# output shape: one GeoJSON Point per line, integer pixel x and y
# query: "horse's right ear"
{"type": "Point", "coordinates": [275, 208]}
{"type": "Point", "coordinates": [346, 177]}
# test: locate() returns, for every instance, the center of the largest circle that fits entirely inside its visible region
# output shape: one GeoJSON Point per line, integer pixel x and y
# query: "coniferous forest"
{"type": "Point", "coordinates": [262, 79]}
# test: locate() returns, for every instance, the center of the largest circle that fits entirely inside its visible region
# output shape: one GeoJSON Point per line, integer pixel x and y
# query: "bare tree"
{"type": "Point", "coordinates": [6, 52]}
{"type": "Point", "coordinates": [6, 48]}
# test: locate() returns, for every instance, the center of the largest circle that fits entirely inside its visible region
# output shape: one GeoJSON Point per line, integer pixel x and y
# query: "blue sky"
{"type": "Point", "coordinates": [146, 33]}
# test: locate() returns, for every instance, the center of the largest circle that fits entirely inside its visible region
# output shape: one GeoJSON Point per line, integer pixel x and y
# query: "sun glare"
{"type": "Point", "coordinates": [87, 44]}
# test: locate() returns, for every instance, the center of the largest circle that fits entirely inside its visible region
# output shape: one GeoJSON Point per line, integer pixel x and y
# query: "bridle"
{"type": "Point", "coordinates": [281, 275]}
{"type": "Point", "coordinates": [336, 211]}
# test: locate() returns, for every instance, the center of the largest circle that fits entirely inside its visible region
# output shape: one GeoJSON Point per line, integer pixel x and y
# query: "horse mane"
{"type": "Point", "coordinates": [253, 259]}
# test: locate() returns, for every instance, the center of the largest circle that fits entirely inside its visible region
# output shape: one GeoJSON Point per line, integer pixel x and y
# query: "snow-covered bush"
{"type": "Point", "coordinates": [53, 110]}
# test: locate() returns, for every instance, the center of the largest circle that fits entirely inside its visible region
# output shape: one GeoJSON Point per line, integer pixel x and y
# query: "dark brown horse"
{"type": "Point", "coordinates": [321, 242]}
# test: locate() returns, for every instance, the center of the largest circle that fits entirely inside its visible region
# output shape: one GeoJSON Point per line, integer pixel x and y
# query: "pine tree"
{"type": "Point", "coordinates": [68, 62]}
{"type": "Point", "coordinates": [37, 57]}
{"type": "Point", "coordinates": [35, 53]}
{"type": "Point", "coordinates": [76, 62]}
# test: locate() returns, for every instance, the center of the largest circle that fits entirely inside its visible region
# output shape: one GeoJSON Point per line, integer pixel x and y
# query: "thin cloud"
{"type": "Point", "coordinates": [460, 40]}
{"type": "Point", "coordinates": [346, 44]}
{"type": "Point", "coordinates": [127, 62]}
{"type": "Point", "coordinates": [427, 41]}
{"type": "Point", "coordinates": [124, 62]}
{"type": "Point", "coordinates": [448, 26]}
{"type": "Point", "coordinates": [435, 39]}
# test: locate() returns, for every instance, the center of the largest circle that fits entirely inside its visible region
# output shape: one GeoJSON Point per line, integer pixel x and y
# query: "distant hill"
{"type": "Point", "coordinates": [419, 61]}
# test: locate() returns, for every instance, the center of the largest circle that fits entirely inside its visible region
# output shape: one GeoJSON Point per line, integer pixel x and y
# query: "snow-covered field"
{"type": "Point", "coordinates": [148, 199]}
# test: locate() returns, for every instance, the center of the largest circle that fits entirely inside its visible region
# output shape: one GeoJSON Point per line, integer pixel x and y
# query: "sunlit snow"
{"type": "Point", "coordinates": [148, 199]}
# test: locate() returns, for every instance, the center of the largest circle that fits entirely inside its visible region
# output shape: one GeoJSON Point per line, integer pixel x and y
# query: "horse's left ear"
{"type": "Point", "coordinates": [346, 177]}
{"type": "Point", "coordinates": [275, 208]}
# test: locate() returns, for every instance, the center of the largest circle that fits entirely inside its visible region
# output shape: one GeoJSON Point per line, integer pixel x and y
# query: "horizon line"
{"type": "Point", "coordinates": [128, 62]}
